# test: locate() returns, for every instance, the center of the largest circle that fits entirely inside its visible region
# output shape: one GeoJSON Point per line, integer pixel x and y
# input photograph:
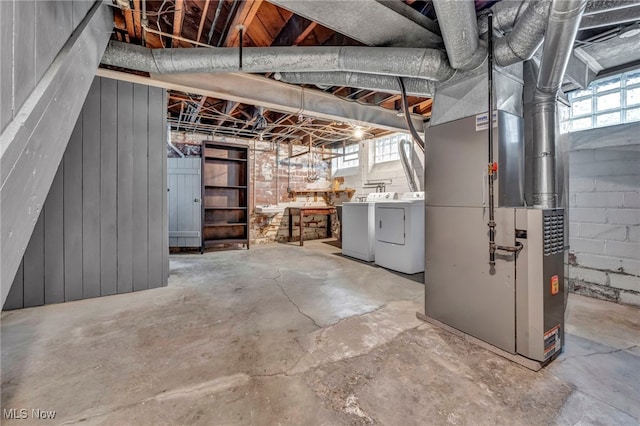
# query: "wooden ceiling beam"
{"type": "Point", "coordinates": [296, 30]}
{"type": "Point", "coordinates": [269, 22]}
{"type": "Point", "coordinates": [196, 113]}
{"type": "Point", "coordinates": [244, 16]}
{"type": "Point", "coordinates": [305, 33]}
{"type": "Point", "coordinates": [423, 107]}
{"type": "Point", "coordinates": [178, 17]}
{"type": "Point", "coordinates": [128, 19]}
{"type": "Point", "coordinates": [205, 10]}
{"type": "Point", "coordinates": [137, 23]}
{"type": "Point", "coordinates": [229, 108]}
{"type": "Point", "coordinates": [389, 101]}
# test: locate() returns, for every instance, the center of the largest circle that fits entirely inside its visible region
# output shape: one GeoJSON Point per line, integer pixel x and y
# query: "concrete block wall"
{"type": "Point", "coordinates": [390, 172]}
{"type": "Point", "coordinates": [604, 215]}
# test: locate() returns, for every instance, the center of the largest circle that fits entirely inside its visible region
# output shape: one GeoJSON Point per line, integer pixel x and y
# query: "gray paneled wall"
{"type": "Point", "coordinates": [103, 228]}
{"type": "Point", "coordinates": [31, 35]}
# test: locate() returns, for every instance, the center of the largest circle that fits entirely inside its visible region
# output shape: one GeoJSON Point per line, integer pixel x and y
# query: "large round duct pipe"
{"type": "Point", "coordinates": [457, 20]}
{"type": "Point", "coordinates": [525, 38]}
{"type": "Point", "coordinates": [429, 64]}
{"type": "Point", "coordinates": [382, 83]}
{"type": "Point", "coordinates": [564, 20]}
{"type": "Point", "coordinates": [507, 12]}
{"type": "Point", "coordinates": [505, 15]}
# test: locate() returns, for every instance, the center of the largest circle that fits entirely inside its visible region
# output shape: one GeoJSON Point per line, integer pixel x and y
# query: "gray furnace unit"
{"type": "Point", "coordinates": [517, 304]}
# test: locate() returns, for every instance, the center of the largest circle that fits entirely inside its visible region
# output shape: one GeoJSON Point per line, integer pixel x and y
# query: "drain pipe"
{"type": "Point", "coordinates": [408, 170]}
{"type": "Point", "coordinates": [564, 21]}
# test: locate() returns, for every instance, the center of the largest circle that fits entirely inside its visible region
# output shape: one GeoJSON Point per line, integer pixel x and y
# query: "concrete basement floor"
{"type": "Point", "coordinates": [282, 334]}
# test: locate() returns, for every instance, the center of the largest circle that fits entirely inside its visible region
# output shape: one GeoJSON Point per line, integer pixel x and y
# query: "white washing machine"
{"type": "Point", "coordinates": [358, 232]}
{"type": "Point", "coordinates": [399, 230]}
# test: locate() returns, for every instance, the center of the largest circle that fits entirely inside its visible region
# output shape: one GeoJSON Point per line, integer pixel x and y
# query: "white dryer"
{"type": "Point", "coordinates": [399, 230]}
{"type": "Point", "coordinates": [358, 232]}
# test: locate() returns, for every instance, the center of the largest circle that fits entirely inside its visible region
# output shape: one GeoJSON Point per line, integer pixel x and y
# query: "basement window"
{"type": "Point", "coordinates": [606, 102]}
{"type": "Point", "coordinates": [348, 157]}
{"type": "Point", "coordinates": [386, 148]}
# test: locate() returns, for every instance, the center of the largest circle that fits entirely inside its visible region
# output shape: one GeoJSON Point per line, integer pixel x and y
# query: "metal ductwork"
{"type": "Point", "coordinates": [612, 17]}
{"type": "Point", "coordinates": [525, 38]}
{"type": "Point", "coordinates": [564, 21]}
{"type": "Point", "coordinates": [507, 12]}
{"type": "Point", "coordinates": [457, 21]}
{"type": "Point", "coordinates": [505, 15]}
{"type": "Point", "coordinates": [383, 83]}
{"type": "Point", "coordinates": [525, 22]}
{"type": "Point", "coordinates": [599, 6]}
{"type": "Point", "coordinates": [429, 64]}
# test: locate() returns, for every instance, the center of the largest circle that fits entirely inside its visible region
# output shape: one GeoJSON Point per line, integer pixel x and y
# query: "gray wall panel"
{"type": "Point", "coordinates": [91, 192]}
{"type": "Point", "coordinates": [125, 187]}
{"type": "Point", "coordinates": [15, 298]}
{"type": "Point", "coordinates": [80, 9]}
{"type": "Point", "coordinates": [108, 188]}
{"type": "Point", "coordinates": [165, 195]}
{"type": "Point", "coordinates": [103, 222]}
{"type": "Point", "coordinates": [25, 43]}
{"type": "Point", "coordinates": [34, 267]}
{"type": "Point", "coordinates": [52, 28]}
{"type": "Point", "coordinates": [140, 184]}
{"type": "Point", "coordinates": [54, 241]}
{"type": "Point", "coordinates": [157, 190]}
{"type": "Point", "coordinates": [6, 64]}
{"type": "Point", "coordinates": [73, 215]}
{"type": "Point", "coordinates": [35, 144]}
{"type": "Point", "coordinates": [36, 31]}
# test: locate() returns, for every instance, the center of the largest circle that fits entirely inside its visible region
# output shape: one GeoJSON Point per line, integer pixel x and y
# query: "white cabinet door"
{"type": "Point", "coordinates": [390, 225]}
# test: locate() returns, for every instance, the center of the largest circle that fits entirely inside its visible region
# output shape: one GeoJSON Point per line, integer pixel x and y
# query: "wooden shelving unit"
{"type": "Point", "coordinates": [225, 194]}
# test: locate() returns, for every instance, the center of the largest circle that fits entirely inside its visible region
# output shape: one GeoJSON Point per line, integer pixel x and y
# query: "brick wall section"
{"type": "Point", "coordinates": [270, 184]}
{"type": "Point", "coordinates": [604, 217]}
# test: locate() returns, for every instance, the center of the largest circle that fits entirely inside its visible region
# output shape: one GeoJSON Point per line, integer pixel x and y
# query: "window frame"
{"type": "Point", "coordinates": [391, 141]}
{"type": "Point", "coordinates": [592, 94]}
{"type": "Point", "coordinates": [341, 160]}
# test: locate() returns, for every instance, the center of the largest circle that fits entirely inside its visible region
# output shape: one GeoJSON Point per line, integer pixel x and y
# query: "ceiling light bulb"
{"type": "Point", "coordinates": [358, 133]}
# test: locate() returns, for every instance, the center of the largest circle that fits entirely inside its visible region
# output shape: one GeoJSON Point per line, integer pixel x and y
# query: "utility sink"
{"type": "Point", "coordinates": [269, 210]}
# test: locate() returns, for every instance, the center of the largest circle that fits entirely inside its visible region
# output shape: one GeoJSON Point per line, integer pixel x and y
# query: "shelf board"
{"type": "Point", "coordinates": [225, 208]}
{"type": "Point", "coordinates": [209, 157]}
{"type": "Point", "coordinates": [208, 243]}
{"type": "Point", "coordinates": [226, 186]}
{"type": "Point", "coordinates": [213, 224]}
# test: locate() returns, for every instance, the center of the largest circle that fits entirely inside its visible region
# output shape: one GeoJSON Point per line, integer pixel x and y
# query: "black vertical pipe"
{"type": "Point", "coordinates": [490, 167]}
{"type": "Point", "coordinates": [240, 51]}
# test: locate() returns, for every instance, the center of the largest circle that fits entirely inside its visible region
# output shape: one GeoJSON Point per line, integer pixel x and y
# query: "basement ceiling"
{"type": "Point", "coordinates": [607, 43]}
{"type": "Point", "coordinates": [207, 23]}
